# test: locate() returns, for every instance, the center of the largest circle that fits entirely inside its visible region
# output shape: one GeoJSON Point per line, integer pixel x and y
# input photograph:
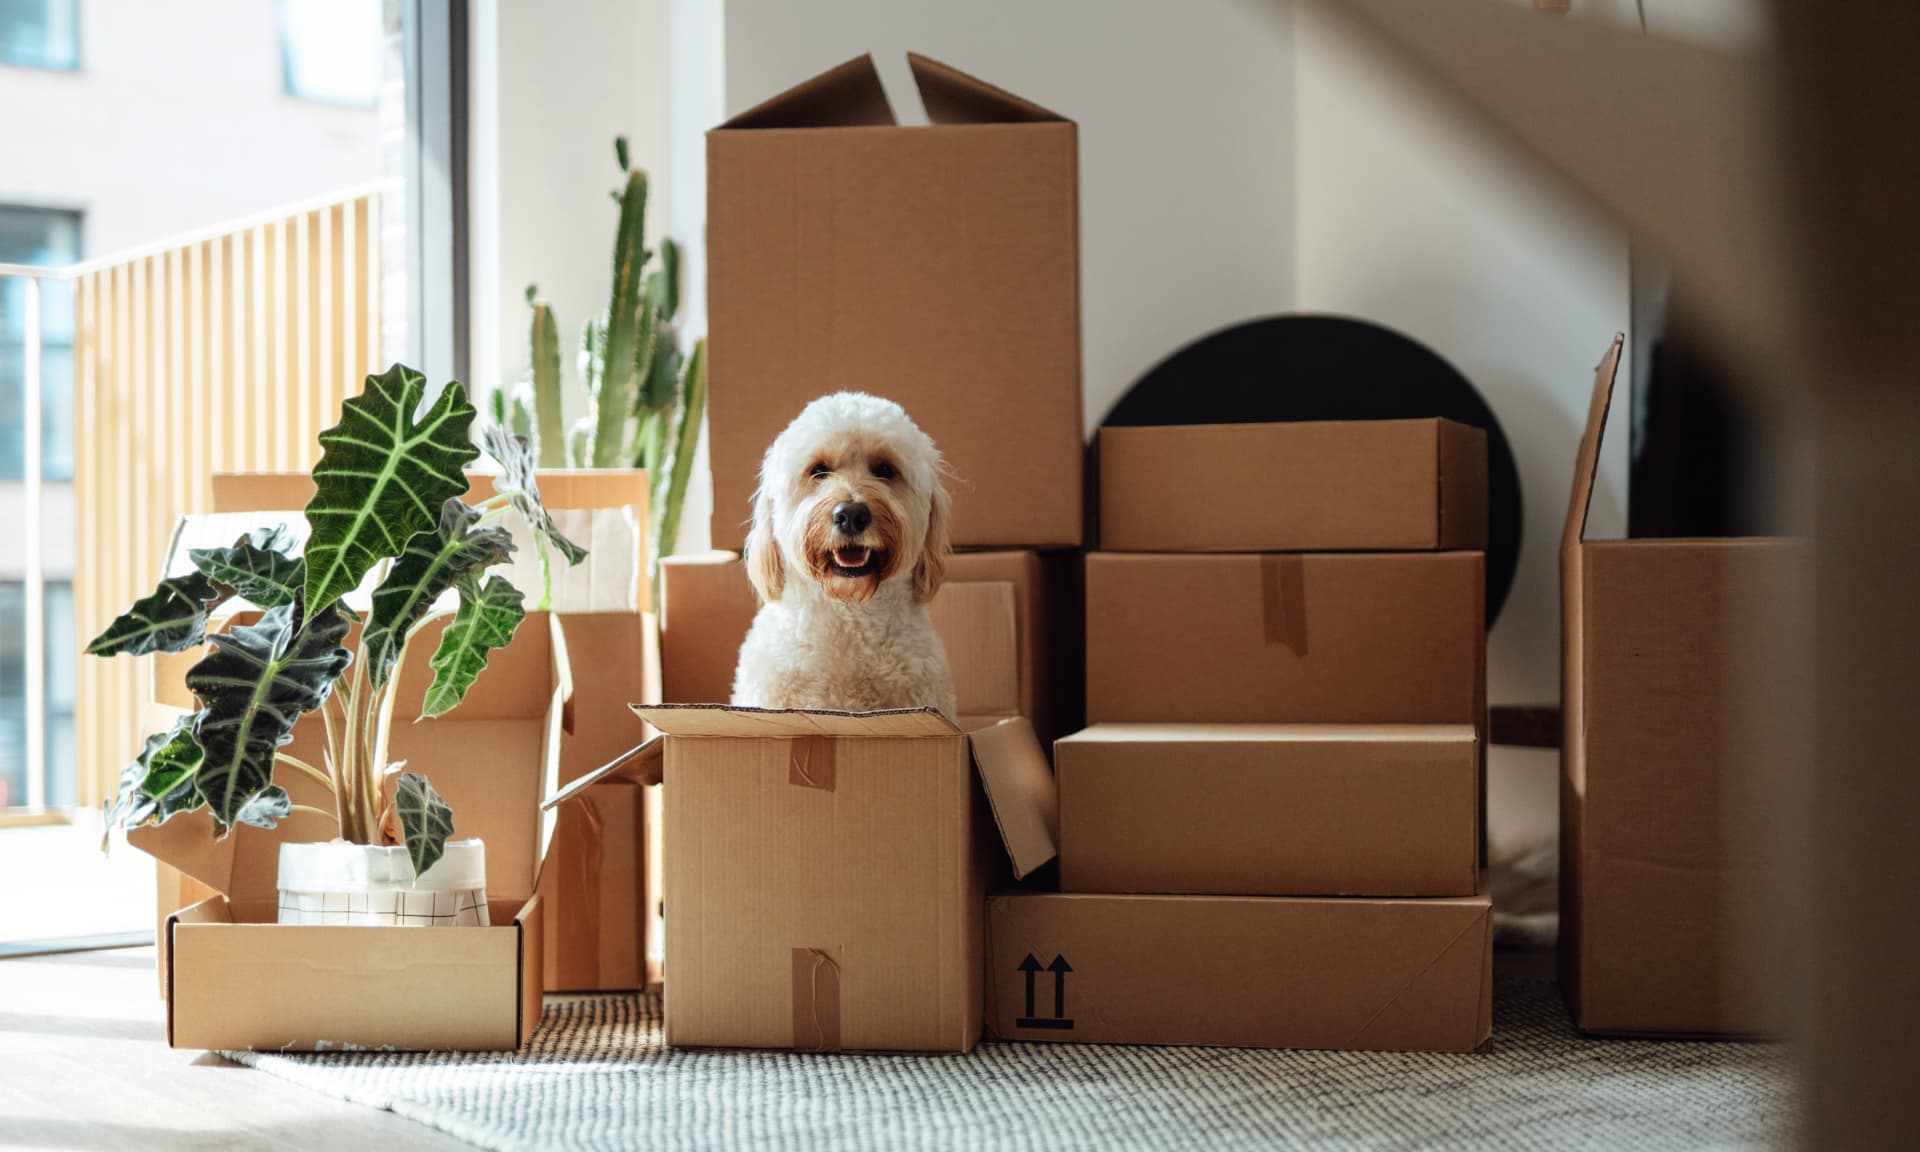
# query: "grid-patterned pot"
{"type": "Point", "coordinates": [342, 883]}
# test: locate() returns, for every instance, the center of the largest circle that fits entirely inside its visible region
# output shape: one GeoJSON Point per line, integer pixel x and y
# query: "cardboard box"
{"type": "Point", "coordinates": [1332, 486]}
{"type": "Point", "coordinates": [1657, 884]}
{"type": "Point", "coordinates": [593, 892]}
{"type": "Point", "coordinates": [235, 979]}
{"type": "Point", "coordinates": [1369, 638]}
{"type": "Point", "coordinates": [826, 871]}
{"type": "Point", "coordinates": [1270, 809]}
{"type": "Point", "coordinates": [1244, 971]}
{"type": "Point", "coordinates": [602, 606]}
{"type": "Point", "coordinates": [938, 266]}
{"type": "Point", "coordinates": [1006, 618]}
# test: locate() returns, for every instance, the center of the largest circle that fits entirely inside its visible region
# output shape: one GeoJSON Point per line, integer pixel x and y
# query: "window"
{"type": "Point", "coordinates": [330, 50]}
{"type": "Point", "coordinates": [40, 33]}
{"type": "Point", "coordinates": [62, 645]}
{"type": "Point", "coordinates": [44, 237]}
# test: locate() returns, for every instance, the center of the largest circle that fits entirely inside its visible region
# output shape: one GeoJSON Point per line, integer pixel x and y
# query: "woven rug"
{"type": "Point", "coordinates": [598, 1076]}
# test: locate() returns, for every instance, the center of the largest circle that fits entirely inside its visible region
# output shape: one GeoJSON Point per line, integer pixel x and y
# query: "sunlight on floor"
{"type": "Point", "coordinates": [56, 884]}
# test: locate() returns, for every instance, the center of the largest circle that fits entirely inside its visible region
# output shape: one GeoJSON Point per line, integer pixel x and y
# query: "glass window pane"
{"type": "Point", "coordinates": [41, 236]}
{"type": "Point", "coordinates": [330, 50]}
{"type": "Point", "coordinates": [13, 691]}
{"type": "Point", "coordinates": [40, 33]}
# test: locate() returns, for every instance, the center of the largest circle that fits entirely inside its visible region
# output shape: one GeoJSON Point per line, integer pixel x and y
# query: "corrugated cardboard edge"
{"type": "Point", "coordinates": [1573, 681]}
{"type": "Point", "coordinates": [640, 764]}
{"type": "Point", "coordinates": [1463, 486]}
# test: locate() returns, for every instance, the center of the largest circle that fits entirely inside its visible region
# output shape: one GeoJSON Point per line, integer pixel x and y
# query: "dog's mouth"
{"type": "Point", "coordinates": [854, 561]}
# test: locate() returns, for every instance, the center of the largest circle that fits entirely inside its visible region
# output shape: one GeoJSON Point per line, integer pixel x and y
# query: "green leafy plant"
{"type": "Point", "coordinates": [646, 398]}
{"type": "Point", "coordinates": [388, 501]}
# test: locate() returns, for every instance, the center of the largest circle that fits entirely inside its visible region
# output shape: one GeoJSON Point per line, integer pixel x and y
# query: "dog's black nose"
{"type": "Point", "coordinates": [851, 517]}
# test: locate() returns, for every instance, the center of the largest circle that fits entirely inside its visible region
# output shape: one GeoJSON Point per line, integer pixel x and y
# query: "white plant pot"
{"type": "Point", "coordinates": [369, 884]}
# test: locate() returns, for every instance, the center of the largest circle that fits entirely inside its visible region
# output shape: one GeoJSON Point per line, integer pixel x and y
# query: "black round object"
{"type": "Point", "coordinates": [1288, 368]}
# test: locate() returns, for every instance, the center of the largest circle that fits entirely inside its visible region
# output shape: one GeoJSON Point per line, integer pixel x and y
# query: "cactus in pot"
{"type": "Point", "coordinates": [646, 400]}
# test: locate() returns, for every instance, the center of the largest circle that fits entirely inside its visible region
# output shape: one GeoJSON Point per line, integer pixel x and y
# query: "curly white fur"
{"type": "Point", "coordinates": [843, 618]}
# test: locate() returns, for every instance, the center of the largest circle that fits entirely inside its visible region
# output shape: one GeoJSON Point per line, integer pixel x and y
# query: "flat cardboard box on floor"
{"type": "Point", "coordinates": [593, 941]}
{"type": "Point", "coordinates": [1662, 779]}
{"type": "Point", "coordinates": [236, 979]}
{"type": "Point", "coordinates": [1317, 638]}
{"type": "Point", "coordinates": [1270, 809]}
{"type": "Point", "coordinates": [826, 871]}
{"type": "Point", "coordinates": [1326, 486]}
{"type": "Point", "coordinates": [937, 266]}
{"type": "Point", "coordinates": [1006, 619]}
{"type": "Point", "coordinates": [1242, 971]}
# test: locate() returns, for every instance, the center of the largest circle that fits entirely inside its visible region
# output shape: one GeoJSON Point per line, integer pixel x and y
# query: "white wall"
{"type": "Point", "coordinates": [176, 121]}
{"type": "Point", "coordinates": [552, 85]}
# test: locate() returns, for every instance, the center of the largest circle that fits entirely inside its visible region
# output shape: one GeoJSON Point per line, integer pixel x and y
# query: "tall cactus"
{"type": "Point", "coordinates": [622, 331]}
{"type": "Point", "coordinates": [543, 342]}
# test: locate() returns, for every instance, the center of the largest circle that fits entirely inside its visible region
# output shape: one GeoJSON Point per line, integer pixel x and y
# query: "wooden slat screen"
{"type": "Point", "coordinates": [228, 353]}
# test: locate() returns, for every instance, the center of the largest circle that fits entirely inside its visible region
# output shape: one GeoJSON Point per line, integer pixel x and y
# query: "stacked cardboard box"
{"type": "Point", "coordinates": [1271, 833]}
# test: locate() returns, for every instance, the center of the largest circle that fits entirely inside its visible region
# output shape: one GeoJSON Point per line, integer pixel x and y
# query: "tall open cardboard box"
{"type": "Point", "coordinates": [827, 871]}
{"type": "Point", "coordinates": [1663, 821]}
{"type": "Point", "coordinates": [235, 979]}
{"type": "Point", "coordinates": [937, 266]}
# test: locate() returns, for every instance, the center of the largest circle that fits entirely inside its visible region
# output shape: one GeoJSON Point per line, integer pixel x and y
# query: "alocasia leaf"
{"type": "Point", "coordinates": [268, 807]}
{"type": "Point", "coordinates": [486, 619]}
{"type": "Point", "coordinates": [172, 619]}
{"type": "Point", "coordinates": [425, 821]}
{"type": "Point", "coordinates": [517, 481]}
{"type": "Point", "coordinates": [431, 564]}
{"type": "Point", "coordinates": [160, 783]}
{"type": "Point", "coordinates": [383, 477]}
{"type": "Point", "coordinates": [252, 688]}
{"type": "Point", "coordinates": [257, 566]}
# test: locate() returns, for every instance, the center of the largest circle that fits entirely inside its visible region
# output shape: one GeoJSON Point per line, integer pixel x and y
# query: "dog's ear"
{"type": "Point", "coordinates": [931, 571]}
{"type": "Point", "coordinates": [764, 566]}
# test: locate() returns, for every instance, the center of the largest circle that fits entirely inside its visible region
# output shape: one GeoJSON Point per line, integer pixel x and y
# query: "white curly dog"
{"type": "Point", "coordinates": [849, 543]}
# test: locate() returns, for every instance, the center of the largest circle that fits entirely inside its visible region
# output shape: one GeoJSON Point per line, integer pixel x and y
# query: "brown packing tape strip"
{"type": "Point", "coordinates": [1283, 601]}
{"type": "Point", "coordinates": [816, 1001]}
{"type": "Point", "coordinates": [580, 866]}
{"type": "Point", "coordinates": [810, 763]}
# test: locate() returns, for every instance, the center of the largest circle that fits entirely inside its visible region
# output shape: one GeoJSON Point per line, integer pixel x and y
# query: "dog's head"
{"type": "Point", "coordinates": [850, 498]}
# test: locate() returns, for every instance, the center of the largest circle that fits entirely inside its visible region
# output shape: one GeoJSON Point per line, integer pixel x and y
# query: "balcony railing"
{"type": "Point", "coordinates": [228, 351]}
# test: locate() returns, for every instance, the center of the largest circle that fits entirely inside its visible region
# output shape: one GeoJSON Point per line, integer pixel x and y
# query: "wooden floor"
{"type": "Point", "coordinates": [84, 1064]}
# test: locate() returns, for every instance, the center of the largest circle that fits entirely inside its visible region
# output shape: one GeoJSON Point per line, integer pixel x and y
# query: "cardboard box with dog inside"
{"type": "Point", "coordinates": [1008, 620]}
{"type": "Point", "coordinates": [826, 872]}
{"type": "Point", "coordinates": [1663, 785]}
{"type": "Point", "coordinates": [937, 266]}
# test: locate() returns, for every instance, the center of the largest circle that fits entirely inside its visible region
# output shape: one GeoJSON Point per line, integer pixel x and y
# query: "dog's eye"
{"type": "Point", "coordinates": [818, 470]}
{"type": "Point", "coordinates": [883, 470]}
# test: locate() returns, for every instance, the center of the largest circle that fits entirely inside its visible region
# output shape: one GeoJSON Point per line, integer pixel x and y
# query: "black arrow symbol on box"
{"type": "Point", "coordinates": [1059, 968]}
{"type": "Point", "coordinates": [1031, 966]}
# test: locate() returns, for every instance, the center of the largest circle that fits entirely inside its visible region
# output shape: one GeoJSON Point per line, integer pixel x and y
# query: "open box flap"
{"type": "Point", "coordinates": [846, 96]}
{"type": "Point", "coordinates": [727, 720]}
{"type": "Point", "coordinates": [953, 97]}
{"type": "Point", "coordinates": [515, 711]}
{"type": "Point", "coordinates": [639, 764]}
{"type": "Point", "coordinates": [1020, 790]}
{"type": "Point", "coordinates": [1588, 461]}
